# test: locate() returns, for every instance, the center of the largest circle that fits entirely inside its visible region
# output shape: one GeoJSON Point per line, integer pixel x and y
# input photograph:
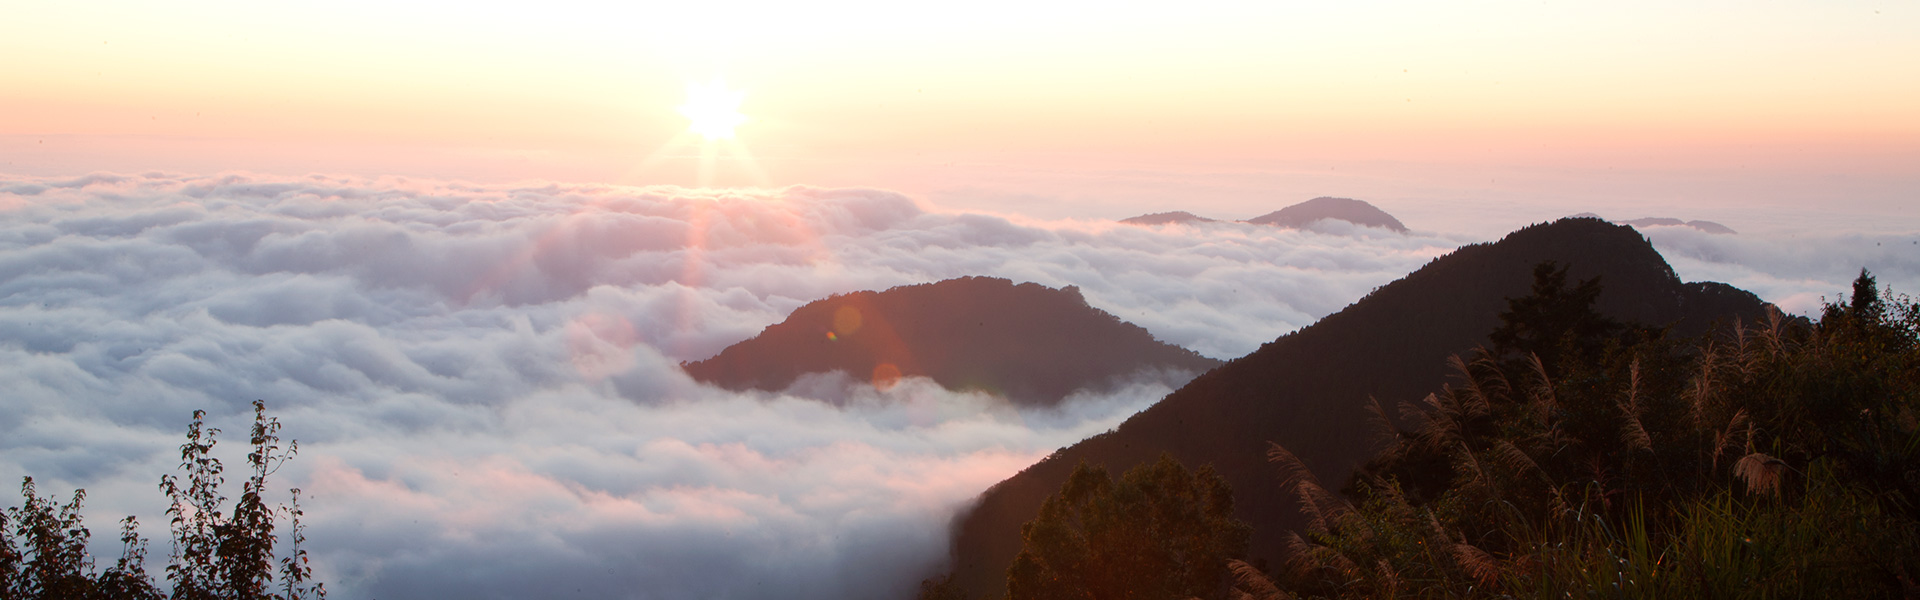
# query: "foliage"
{"type": "Point", "coordinates": [1778, 461]}
{"type": "Point", "coordinates": [1553, 320]}
{"type": "Point", "coordinates": [1160, 532]}
{"type": "Point", "coordinates": [217, 555]}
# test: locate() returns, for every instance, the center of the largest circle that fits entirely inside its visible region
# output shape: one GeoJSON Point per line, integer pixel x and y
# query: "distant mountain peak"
{"type": "Point", "coordinates": [1029, 343]}
{"type": "Point", "coordinates": [1707, 226]}
{"type": "Point", "coordinates": [1645, 222]}
{"type": "Point", "coordinates": [1358, 212]}
{"type": "Point", "coordinates": [1165, 218]}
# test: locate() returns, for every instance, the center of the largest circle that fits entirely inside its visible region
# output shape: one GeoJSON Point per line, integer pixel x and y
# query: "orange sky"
{"type": "Point", "coordinates": [876, 93]}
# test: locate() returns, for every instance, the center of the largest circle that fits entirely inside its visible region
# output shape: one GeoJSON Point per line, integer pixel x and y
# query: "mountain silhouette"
{"type": "Point", "coordinates": [1307, 390]}
{"type": "Point", "coordinates": [1178, 216]}
{"type": "Point", "coordinates": [1032, 344]}
{"type": "Point", "coordinates": [1353, 211]}
{"type": "Point", "coordinates": [1707, 226]}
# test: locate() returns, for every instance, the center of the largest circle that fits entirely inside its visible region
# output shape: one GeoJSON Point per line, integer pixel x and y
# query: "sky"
{"type": "Point", "coordinates": [1063, 108]}
{"type": "Point", "coordinates": [461, 248]}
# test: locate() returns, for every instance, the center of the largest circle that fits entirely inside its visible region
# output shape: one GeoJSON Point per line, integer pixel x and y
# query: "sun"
{"type": "Point", "coordinates": [713, 109]}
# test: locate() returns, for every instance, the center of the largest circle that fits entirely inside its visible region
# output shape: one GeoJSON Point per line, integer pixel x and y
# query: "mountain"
{"type": "Point", "coordinates": [1353, 211]}
{"type": "Point", "coordinates": [1707, 226]}
{"type": "Point", "coordinates": [1307, 390]}
{"type": "Point", "coordinates": [1030, 343]}
{"type": "Point", "coordinates": [1296, 217]}
{"type": "Point", "coordinates": [1178, 216]}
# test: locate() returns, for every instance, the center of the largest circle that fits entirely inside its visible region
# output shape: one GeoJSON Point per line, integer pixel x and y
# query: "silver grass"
{"type": "Point", "coordinates": [1540, 395]}
{"type": "Point", "coordinates": [1253, 584]}
{"type": "Point", "coordinates": [1723, 439]}
{"type": "Point", "coordinates": [1477, 562]}
{"type": "Point", "coordinates": [1633, 433]}
{"type": "Point", "coordinates": [1761, 473]}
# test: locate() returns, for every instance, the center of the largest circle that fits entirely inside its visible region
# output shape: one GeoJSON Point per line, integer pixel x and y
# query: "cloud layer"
{"type": "Point", "coordinates": [483, 378]}
{"type": "Point", "coordinates": [1797, 270]}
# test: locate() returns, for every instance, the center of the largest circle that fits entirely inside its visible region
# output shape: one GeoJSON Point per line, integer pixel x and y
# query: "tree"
{"type": "Point", "coordinates": [231, 556]}
{"type": "Point", "coordinates": [1865, 305]}
{"type": "Point", "coordinates": [51, 559]}
{"type": "Point", "coordinates": [216, 555]}
{"type": "Point", "coordinates": [1553, 319]}
{"type": "Point", "coordinates": [1161, 532]}
{"type": "Point", "coordinates": [53, 562]}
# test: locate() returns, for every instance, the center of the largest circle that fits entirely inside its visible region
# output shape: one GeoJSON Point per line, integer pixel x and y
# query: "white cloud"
{"type": "Point", "coordinates": [483, 377]}
{"type": "Point", "coordinates": [711, 496]}
{"type": "Point", "coordinates": [1796, 269]}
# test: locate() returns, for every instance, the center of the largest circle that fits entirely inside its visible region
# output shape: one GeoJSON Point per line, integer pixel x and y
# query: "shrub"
{"type": "Point", "coordinates": [219, 553]}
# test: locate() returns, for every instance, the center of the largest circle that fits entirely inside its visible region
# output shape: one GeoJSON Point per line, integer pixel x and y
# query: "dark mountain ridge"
{"type": "Point", "coordinates": [1032, 344]}
{"type": "Point", "coordinates": [1307, 390]}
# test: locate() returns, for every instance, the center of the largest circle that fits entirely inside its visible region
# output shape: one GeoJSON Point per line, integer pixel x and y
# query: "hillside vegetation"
{"type": "Point", "coordinates": [1577, 456]}
{"type": "Point", "coordinates": [1309, 389]}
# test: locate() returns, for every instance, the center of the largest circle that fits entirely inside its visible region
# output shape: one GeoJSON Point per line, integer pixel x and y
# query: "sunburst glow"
{"type": "Point", "coordinates": [713, 109]}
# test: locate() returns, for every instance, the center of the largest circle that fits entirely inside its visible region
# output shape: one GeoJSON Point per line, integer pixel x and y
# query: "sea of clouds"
{"type": "Point", "coordinates": [483, 378]}
{"type": "Point", "coordinates": [1798, 270]}
{"type": "Point", "coordinates": [484, 383]}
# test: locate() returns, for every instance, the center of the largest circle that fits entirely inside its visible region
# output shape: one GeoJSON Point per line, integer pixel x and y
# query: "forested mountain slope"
{"type": "Point", "coordinates": [1307, 390]}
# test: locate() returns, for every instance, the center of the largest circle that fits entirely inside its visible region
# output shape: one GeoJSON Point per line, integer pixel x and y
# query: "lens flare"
{"type": "Point", "coordinates": [846, 321]}
{"type": "Point", "coordinates": [885, 376]}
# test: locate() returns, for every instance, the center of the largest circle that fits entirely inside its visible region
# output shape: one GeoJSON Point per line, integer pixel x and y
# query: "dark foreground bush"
{"type": "Point", "coordinates": [1778, 461]}
{"type": "Point", "coordinates": [220, 551]}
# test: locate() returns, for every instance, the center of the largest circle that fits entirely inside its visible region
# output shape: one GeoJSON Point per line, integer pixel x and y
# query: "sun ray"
{"type": "Point", "coordinates": [747, 163]}
{"type": "Point", "coordinates": [709, 154]}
